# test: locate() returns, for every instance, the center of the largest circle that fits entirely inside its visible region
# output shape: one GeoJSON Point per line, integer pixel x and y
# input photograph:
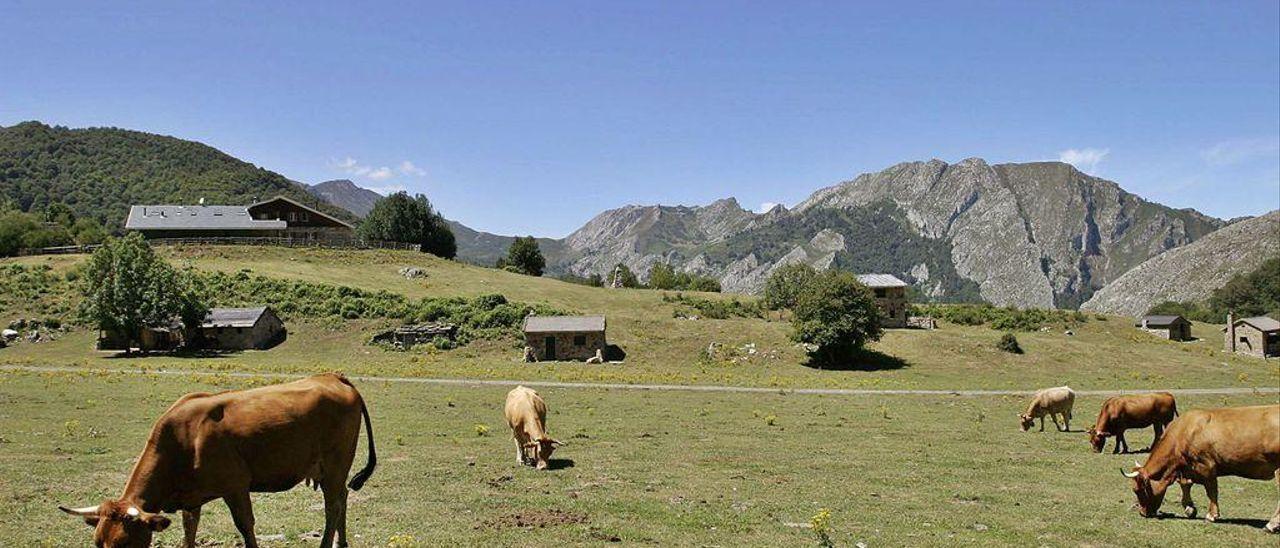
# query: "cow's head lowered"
{"type": "Point", "coordinates": [1097, 439]}
{"type": "Point", "coordinates": [120, 525]}
{"type": "Point", "coordinates": [1026, 421]}
{"type": "Point", "coordinates": [540, 450]}
{"type": "Point", "coordinates": [1150, 492]}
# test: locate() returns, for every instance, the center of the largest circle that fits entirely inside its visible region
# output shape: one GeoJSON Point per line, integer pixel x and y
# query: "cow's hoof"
{"type": "Point", "coordinates": [1211, 518]}
{"type": "Point", "coordinates": [1273, 527]}
{"type": "Point", "coordinates": [1189, 511]}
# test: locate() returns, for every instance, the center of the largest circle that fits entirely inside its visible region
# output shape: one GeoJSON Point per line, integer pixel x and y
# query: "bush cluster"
{"type": "Point", "coordinates": [483, 317]}
{"type": "Point", "coordinates": [1002, 318]}
{"type": "Point", "coordinates": [36, 289]}
{"type": "Point", "coordinates": [714, 309]}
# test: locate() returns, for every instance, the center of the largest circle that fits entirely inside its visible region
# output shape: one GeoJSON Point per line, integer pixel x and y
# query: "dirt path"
{"type": "Point", "coordinates": [656, 387]}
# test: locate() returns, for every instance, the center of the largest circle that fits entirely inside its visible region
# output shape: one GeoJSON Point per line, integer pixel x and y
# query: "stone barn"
{"type": "Point", "coordinates": [891, 297]}
{"type": "Point", "coordinates": [1258, 336]}
{"type": "Point", "coordinates": [564, 338]}
{"type": "Point", "coordinates": [256, 328]}
{"type": "Point", "coordinates": [1174, 328]}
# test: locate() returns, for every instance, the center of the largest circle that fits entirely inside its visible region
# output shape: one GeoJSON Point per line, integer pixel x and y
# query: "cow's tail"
{"type": "Point", "coordinates": [357, 481]}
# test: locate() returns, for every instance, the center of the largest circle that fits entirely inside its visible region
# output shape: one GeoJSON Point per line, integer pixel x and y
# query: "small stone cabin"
{"type": "Point", "coordinates": [255, 328]}
{"type": "Point", "coordinates": [1174, 328]}
{"type": "Point", "coordinates": [891, 297]}
{"type": "Point", "coordinates": [150, 339]}
{"type": "Point", "coordinates": [1258, 336]}
{"type": "Point", "coordinates": [564, 338]}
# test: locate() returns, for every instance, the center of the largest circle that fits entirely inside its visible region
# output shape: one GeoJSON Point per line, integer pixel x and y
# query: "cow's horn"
{"type": "Point", "coordinates": [1137, 464]}
{"type": "Point", "coordinates": [1132, 474]}
{"type": "Point", "coordinates": [87, 511]}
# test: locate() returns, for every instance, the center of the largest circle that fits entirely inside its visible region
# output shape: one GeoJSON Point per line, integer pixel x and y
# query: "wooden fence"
{"type": "Point", "coordinates": [232, 240]}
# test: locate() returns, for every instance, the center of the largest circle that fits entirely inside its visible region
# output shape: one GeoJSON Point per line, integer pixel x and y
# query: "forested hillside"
{"type": "Point", "coordinates": [100, 172]}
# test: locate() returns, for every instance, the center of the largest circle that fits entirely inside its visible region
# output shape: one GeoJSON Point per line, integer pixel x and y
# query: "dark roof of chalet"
{"type": "Point", "coordinates": [1160, 321]}
{"type": "Point", "coordinates": [196, 217]}
{"type": "Point", "coordinates": [210, 217]}
{"type": "Point", "coordinates": [233, 317]}
{"type": "Point", "coordinates": [881, 280]}
{"type": "Point", "coordinates": [1262, 323]}
{"type": "Point", "coordinates": [303, 206]}
{"type": "Point", "coordinates": [563, 324]}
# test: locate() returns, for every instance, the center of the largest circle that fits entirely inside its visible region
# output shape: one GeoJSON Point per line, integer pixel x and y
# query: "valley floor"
{"type": "Point", "coordinates": [641, 467]}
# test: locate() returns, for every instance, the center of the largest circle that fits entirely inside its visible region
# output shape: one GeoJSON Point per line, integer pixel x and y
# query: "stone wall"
{"type": "Point", "coordinates": [893, 306]}
{"type": "Point", "coordinates": [1251, 342]}
{"type": "Point", "coordinates": [566, 347]}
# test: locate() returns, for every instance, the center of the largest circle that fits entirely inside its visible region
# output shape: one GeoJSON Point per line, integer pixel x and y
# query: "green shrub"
{"type": "Point", "coordinates": [1009, 343]}
{"type": "Point", "coordinates": [1001, 318]}
{"type": "Point", "coordinates": [716, 309]}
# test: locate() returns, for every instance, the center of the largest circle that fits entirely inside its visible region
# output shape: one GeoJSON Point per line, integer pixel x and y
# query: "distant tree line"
{"type": "Point", "coordinates": [55, 225]}
{"type": "Point", "coordinates": [1256, 293]}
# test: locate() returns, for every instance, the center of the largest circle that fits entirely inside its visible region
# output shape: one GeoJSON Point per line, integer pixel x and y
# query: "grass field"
{"type": "Point", "coordinates": [642, 467]}
{"type": "Point", "coordinates": [1106, 353]}
{"type": "Point", "coordinates": [655, 468]}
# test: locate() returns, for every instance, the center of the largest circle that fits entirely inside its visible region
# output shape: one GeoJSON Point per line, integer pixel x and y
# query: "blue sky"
{"type": "Point", "coordinates": [530, 117]}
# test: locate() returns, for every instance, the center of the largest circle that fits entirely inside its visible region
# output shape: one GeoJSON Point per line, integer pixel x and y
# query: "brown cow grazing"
{"type": "Point", "coordinates": [1206, 444]}
{"type": "Point", "coordinates": [1128, 412]}
{"type": "Point", "coordinates": [527, 415]}
{"type": "Point", "coordinates": [1052, 402]}
{"type": "Point", "coordinates": [226, 445]}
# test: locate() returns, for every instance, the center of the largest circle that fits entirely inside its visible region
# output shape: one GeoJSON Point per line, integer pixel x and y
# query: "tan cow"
{"type": "Point", "coordinates": [227, 445]}
{"type": "Point", "coordinates": [527, 415]}
{"type": "Point", "coordinates": [1122, 413]}
{"type": "Point", "coordinates": [1052, 402]}
{"type": "Point", "coordinates": [1206, 444]}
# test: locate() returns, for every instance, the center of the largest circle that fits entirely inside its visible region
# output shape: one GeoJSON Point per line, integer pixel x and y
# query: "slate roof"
{"type": "Point", "coordinates": [197, 217]}
{"type": "Point", "coordinates": [563, 324]}
{"type": "Point", "coordinates": [1263, 323]}
{"type": "Point", "coordinates": [881, 280]}
{"type": "Point", "coordinates": [233, 317]}
{"type": "Point", "coordinates": [1159, 321]}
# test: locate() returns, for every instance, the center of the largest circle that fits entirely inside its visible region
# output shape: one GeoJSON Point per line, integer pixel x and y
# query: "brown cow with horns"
{"type": "Point", "coordinates": [1206, 444]}
{"type": "Point", "coordinates": [226, 445]}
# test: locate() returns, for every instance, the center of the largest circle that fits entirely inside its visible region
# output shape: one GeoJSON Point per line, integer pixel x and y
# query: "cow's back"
{"type": "Point", "coordinates": [1137, 411]}
{"type": "Point", "coordinates": [1056, 400]}
{"type": "Point", "coordinates": [524, 405]}
{"type": "Point", "coordinates": [1243, 441]}
{"type": "Point", "coordinates": [274, 434]}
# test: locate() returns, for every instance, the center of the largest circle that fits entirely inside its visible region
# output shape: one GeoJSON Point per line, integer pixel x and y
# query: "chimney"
{"type": "Point", "coordinates": [1231, 329]}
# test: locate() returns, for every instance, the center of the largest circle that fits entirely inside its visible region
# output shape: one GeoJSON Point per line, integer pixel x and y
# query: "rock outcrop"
{"type": "Point", "coordinates": [1192, 272]}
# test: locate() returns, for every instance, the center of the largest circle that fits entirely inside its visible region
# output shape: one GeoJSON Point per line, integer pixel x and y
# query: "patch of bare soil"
{"type": "Point", "coordinates": [533, 519]}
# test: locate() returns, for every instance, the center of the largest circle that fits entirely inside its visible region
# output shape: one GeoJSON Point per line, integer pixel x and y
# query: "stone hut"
{"type": "Point", "coordinates": [1258, 336]}
{"type": "Point", "coordinates": [891, 297]}
{"type": "Point", "coordinates": [1174, 328]}
{"type": "Point", "coordinates": [255, 328]}
{"type": "Point", "coordinates": [565, 338]}
{"type": "Point", "coordinates": [151, 339]}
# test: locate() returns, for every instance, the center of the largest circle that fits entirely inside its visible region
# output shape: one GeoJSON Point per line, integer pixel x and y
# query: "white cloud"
{"type": "Point", "coordinates": [766, 207]}
{"type": "Point", "coordinates": [1240, 150]}
{"type": "Point", "coordinates": [407, 168]}
{"type": "Point", "coordinates": [352, 167]}
{"type": "Point", "coordinates": [380, 174]}
{"type": "Point", "coordinates": [1085, 159]}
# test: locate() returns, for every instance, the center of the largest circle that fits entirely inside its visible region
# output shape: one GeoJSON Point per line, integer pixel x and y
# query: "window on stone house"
{"type": "Point", "coordinates": [293, 216]}
{"type": "Point", "coordinates": [879, 293]}
{"type": "Point", "coordinates": [579, 340]}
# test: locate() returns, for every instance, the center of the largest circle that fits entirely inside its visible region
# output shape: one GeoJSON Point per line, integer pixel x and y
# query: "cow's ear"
{"type": "Point", "coordinates": [556, 443]}
{"type": "Point", "coordinates": [155, 522]}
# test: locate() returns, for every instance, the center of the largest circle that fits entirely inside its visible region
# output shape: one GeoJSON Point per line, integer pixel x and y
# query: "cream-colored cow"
{"type": "Point", "coordinates": [1052, 402]}
{"type": "Point", "coordinates": [527, 415]}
